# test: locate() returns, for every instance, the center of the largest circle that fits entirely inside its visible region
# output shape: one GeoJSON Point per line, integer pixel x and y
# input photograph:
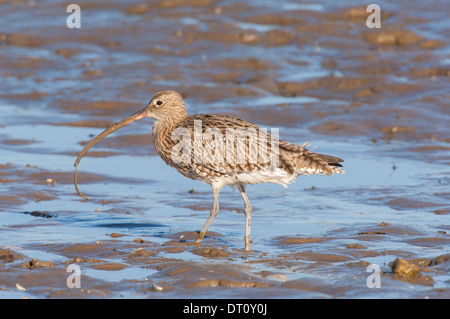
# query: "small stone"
{"type": "Point", "coordinates": [404, 268]}
{"type": "Point", "coordinates": [19, 287]}
{"type": "Point", "coordinates": [116, 235]}
{"type": "Point", "coordinates": [155, 287]}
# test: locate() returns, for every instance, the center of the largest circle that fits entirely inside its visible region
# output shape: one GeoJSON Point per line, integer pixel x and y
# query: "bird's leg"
{"type": "Point", "coordinates": [212, 215]}
{"type": "Point", "coordinates": [248, 216]}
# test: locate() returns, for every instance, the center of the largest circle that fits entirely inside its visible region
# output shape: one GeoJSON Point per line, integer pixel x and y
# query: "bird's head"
{"type": "Point", "coordinates": [164, 106]}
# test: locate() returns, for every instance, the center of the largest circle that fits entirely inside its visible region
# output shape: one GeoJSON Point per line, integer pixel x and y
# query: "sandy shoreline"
{"type": "Point", "coordinates": [377, 98]}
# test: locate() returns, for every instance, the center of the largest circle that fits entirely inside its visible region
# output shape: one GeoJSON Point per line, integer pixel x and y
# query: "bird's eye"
{"type": "Point", "coordinates": [159, 102]}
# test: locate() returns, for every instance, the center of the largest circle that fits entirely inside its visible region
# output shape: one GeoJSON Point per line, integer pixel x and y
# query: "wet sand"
{"type": "Point", "coordinates": [378, 98]}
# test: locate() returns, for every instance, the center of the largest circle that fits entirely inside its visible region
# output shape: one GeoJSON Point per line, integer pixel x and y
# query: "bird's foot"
{"type": "Point", "coordinates": [247, 243]}
{"type": "Point", "coordinates": [199, 239]}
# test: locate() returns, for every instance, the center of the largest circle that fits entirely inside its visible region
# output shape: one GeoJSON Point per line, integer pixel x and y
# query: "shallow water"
{"type": "Point", "coordinates": [312, 70]}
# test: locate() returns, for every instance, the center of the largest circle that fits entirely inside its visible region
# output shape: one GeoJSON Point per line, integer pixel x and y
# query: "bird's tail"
{"type": "Point", "coordinates": [296, 158]}
{"type": "Point", "coordinates": [333, 162]}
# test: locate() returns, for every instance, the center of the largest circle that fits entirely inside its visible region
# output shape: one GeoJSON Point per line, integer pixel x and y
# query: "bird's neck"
{"type": "Point", "coordinates": [162, 136]}
{"type": "Point", "coordinates": [165, 125]}
{"type": "Point", "coordinates": [162, 128]}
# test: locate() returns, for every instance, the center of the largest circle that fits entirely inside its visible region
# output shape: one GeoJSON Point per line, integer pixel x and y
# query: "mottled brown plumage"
{"type": "Point", "coordinates": [222, 150]}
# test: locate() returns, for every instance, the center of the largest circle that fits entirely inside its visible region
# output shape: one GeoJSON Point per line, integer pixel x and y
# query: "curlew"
{"type": "Point", "coordinates": [221, 150]}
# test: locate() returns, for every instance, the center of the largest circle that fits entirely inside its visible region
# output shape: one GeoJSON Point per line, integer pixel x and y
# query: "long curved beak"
{"type": "Point", "coordinates": [132, 118]}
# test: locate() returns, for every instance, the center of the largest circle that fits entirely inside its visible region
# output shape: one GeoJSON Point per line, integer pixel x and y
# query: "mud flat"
{"type": "Point", "coordinates": [376, 97]}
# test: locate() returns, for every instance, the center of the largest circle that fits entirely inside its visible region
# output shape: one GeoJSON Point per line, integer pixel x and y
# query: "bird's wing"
{"type": "Point", "coordinates": [229, 145]}
{"type": "Point", "coordinates": [226, 145]}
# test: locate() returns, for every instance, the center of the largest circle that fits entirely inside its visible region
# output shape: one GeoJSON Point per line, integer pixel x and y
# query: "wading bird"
{"type": "Point", "coordinates": [222, 150]}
